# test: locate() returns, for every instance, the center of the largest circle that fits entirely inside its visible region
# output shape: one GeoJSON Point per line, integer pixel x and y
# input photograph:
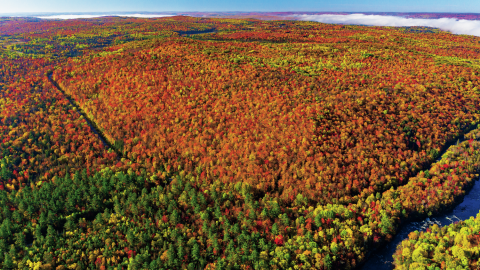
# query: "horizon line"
{"type": "Point", "coordinates": [94, 12]}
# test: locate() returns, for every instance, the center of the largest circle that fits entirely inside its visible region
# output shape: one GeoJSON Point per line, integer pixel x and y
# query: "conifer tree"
{"type": "Point", "coordinates": [130, 238]}
{"type": "Point", "coordinates": [134, 209]}
{"type": "Point", "coordinates": [135, 263]}
{"type": "Point", "coordinates": [5, 172]}
{"type": "Point", "coordinates": [386, 225]}
{"type": "Point", "coordinates": [196, 252]}
{"type": "Point", "coordinates": [144, 238]}
{"type": "Point", "coordinates": [171, 256]}
{"type": "Point", "coordinates": [275, 228]}
{"type": "Point", "coordinates": [264, 213]}
{"type": "Point", "coordinates": [38, 232]}
{"type": "Point", "coordinates": [3, 248]}
{"type": "Point", "coordinates": [6, 228]}
{"type": "Point", "coordinates": [17, 216]}
{"type": "Point", "coordinates": [226, 236]}
{"type": "Point", "coordinates": [154, 265]}
{"type": "Point", "coordinates": [70, 204]}
{"type": "Point", "coordinates": [218, 213]}
{"type": "Point", "coordinates": [117, 207]}
{"type": "Point", "coordinates": [8, 263]}
{"type": "Point", "coordinates": [7, 213]}
{"type": "Point", "coordinates": [220, 265]}
{"type": "Point", "coordinates": [191, 266]}
{"type": "Point", "coordinates": [20, 239]}
{"type": "Point", "coordinates": [69, 225]}
{"type": "Point", "coordinates": [180, 252]}
{"type": "Point", "coordinates": [43, 219]}
{"type": "Point", "coordinates": [285, 220]}
{"type": "Point", "coordinates": [50, 239]}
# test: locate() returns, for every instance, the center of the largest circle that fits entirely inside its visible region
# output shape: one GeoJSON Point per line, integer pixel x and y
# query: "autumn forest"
{"type": "Point", "coordinates": [220, 143]}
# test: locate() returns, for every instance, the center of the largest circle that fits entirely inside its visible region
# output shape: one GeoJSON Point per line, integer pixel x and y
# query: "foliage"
{"type": "Point", "coordinates": [450, 247]}
{"type": "Point", "coordinates": [266, 145]}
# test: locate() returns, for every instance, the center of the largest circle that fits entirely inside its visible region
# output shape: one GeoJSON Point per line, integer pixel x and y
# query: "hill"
{"type": "Point", "coordinates": [257, 144]}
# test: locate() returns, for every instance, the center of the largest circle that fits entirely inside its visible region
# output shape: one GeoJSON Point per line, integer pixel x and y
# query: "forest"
{"type": "Point", "coordinates": [223, 143]}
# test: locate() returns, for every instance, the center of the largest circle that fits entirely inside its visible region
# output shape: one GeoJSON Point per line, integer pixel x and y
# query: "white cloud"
{"type": "Point", "coordinates": [466, 27]}
{"type": "Point", "coordinates": [87, 16]}
{"type": "Point", "coordinates": [144, 15]}
{"type": "Point", "coordinates": [68, 17]}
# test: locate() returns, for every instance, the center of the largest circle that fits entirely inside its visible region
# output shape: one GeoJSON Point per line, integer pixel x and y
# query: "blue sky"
{"type": "Point", "coordinates": [33, 6]}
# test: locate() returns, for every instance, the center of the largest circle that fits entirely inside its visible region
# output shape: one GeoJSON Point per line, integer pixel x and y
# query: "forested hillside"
{"type": "Point", "coordinates": [195, 143]}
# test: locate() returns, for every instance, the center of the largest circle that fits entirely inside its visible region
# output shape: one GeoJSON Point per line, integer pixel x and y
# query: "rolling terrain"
{"type": "Point", "coordinates": [187, 143]}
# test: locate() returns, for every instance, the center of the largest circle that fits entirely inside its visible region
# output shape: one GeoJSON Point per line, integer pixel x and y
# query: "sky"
{"type": "Point", "coordinates": [59, 6]}
{"type": "Point", "coordinates": [462, 27]}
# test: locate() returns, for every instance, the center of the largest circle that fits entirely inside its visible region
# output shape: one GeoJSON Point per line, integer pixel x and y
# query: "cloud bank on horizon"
{"type": "Point", "coordinates": [462, 27]}
{"type": "Point", "coordinates": [88, 16]}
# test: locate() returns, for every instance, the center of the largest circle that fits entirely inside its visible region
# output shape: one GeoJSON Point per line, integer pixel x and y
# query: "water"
{"type": "Point", "coordinates": [382, 259]}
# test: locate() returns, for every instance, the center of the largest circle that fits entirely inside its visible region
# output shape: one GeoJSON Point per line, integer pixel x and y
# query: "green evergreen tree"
{"type": "Point", "coordinates": [220, 265]}
{"type": "Point", "coordinates": [318, 221]}
{"type": "Point", "coordinates": [20, 239]}
{"type": "Point", "coordinates": [144, 238]}
{"type": "Point", "coordinates": [12, 252]}
{"type": "Point", "coordinates": [203, 201]}
{"type": "Point", "coordinates": [30, 210]}
{"type": "Point", "coordinates": [118, 208]}
{"type": "Point", "coordinates": [251, 215]}
{"type": "Point", "coordinates": [76, 177]}
{"type": "Point", "coordinates": [154, 265]}
{"type": "Point", "coordinates": [69, 225]}
{"type": "Point", "coordinates": [327, 261]}
{"type": "Point", "coordinates": [70, 204]}
{"type": "Point", "coordinates": [43, 219]}
{"type": "Point", "coordinates": [180, 252]}
{"type": "Point", "coordinates": [197, 209]}
{"type": "Point", "coordinates": [275, 229]}
{"type": "Point", "coordinates": [3, 248]}
{"type": "Point", "coordinates": [96, 203]}
{"type": "Point", "coordinates": [134, 209]}
{"type": "Point", "coordinates": [136, 263]}
{"type": "Point", "coordinates": [236, 229]}
{"type": "Point", "coordinates": [386, 225]}
{"type": "Point", "coordinates": [21, 206]}
{"type": "Point", "coordinates": [6, 212]}
{"type": "Point", "coordinates": [226, 236]}
{"type": "Point", "coordinates": [171, 255]}
{"type": "Point", "coordinates": [17, 216]}
{"type": "Point", "coordinates": [50, 239]}
{"type": "Point", "coordinates": [8, 263]}
{"type": "Point", "coordinates": [231, 247]}
{"type": "Point", "coordinates": [218, 213]}
{"type": "Point", "coordinates": [38, 232]}
{"type": "Point", "coordinates": [131, 238]}
{"type": "Point", "coordinates": [5, 173]}
{"type": "Point", "coordinates": [196, 252]}
{"type": "Point", "coordinates": [50, 217]}
{"type": "Point", "coordinates": [254, 255]}
{"type": "Point", "coordinates": [275, 211]}
{"type": "Point", "coordinates": [6, 228]}
{"type": "Point", "coordinates": [285, 220]}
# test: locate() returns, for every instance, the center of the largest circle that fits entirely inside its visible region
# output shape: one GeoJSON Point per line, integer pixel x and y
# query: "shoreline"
{"type": "Point", "coordinates": [468, 206]}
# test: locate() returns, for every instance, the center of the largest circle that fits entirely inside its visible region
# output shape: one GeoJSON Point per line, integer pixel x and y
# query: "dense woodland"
{"type": "Point", "coordinates": [452, 246]}
{"type": "Point", "coordinates": [197, 143]}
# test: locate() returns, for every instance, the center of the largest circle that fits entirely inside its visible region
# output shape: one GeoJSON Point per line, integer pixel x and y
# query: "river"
{"type": "Point", "coordinates": [382, 258]}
